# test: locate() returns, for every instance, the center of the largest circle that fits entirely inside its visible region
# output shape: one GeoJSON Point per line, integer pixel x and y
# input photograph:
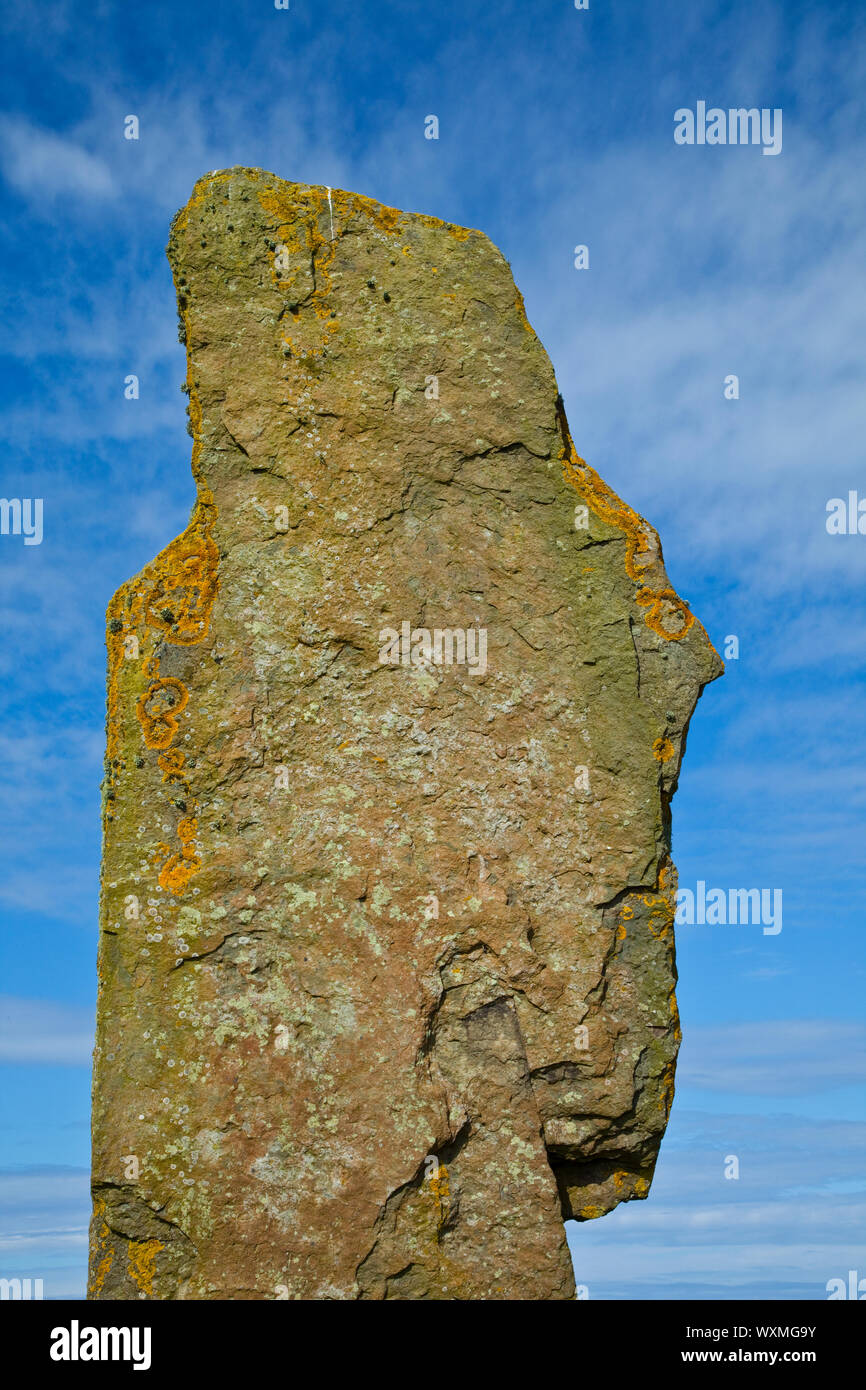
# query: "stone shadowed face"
{"type": "Point", "coordinates": [388, 784]}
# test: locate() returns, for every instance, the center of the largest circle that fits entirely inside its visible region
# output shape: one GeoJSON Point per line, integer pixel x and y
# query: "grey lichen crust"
{"type": "Point", "coordinates": [387, 960]}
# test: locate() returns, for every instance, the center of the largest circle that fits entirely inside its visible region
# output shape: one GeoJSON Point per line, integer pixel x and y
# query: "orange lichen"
{"type": "Point", "coordinates": [170, 602]}
{"type": "Point", "coordinates": [441, 1189]}
{"type": "Point", "coordinates": [661, 915]}
{"type": "Point", "coordinates": [660, 904]}
{"type": "Point", "coordinates": [158, 708]}
{"type": "Point", "coordinates": [452, 228]}
{"type": "Point", "coordinates": [141, 1263]}
{"type": "Point", "coordinates": [591, 1212]}
{"type": "Point", "coordinates": [663, 750]}
{"type": "Point", "coordinates": [628, 1185]}
{"type": "Point", "coordinates": [180, 868]}
{"type": "Point", "coordinates": [181, 600]}
{"type": "Point", "coordinates": [171, 764]}
{"type": "Point", "coordinates": [667, 1092]}
{"type": "Point", "coordinates": [203, 189]}
{"type": "Point", "coordinates": [298, 216]}
{"type": "Point", "coordinates": [185, 574]}
{"type": "Point", "coordinates": [642, 554]}
{"type": "Point", "coordinates": [300, 212]}
{"type": "Point", "coordinates": [661, 603]}
{"type": "Point", "coordinates": [521, 311]}
{"type": "Point", "coordinates": [103, 1249]}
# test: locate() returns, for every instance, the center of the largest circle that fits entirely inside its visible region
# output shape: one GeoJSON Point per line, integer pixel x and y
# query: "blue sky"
{"type": "Point", "coordinates": [556, 129]}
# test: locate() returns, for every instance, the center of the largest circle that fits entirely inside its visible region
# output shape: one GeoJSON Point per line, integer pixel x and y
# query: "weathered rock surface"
{"type": "Point", "coordinates": [387, 959]}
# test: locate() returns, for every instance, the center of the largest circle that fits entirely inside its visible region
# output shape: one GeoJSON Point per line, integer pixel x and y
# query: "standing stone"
{"type": "Point", "coordinates": [386, 960]}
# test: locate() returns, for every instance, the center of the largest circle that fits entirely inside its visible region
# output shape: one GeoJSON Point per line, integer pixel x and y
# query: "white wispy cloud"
{"type": "Point", "coordinates": [44, 1216]}
{"type": "Point", "coordinates": [778, 1057]}
{"type": "Point", "coordinates": [788, 1223]}
{"type": "Point", "coordinates": [41, 162]}
{"type": "Point", "coordinates": [43, 1031]}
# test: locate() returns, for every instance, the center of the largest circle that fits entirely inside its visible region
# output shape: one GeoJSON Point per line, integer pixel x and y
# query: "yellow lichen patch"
{"type": "Point", "coordinates": [441, 1189]}
{"type": "Point", "coordinates": [171, 764]}
{"type": "Point", "coordinates": [301, 213]}
{"type": "Point", "coordinates": [383, 218]}
{"type": "Point", "coordinates": [180, 868]}
{"type": "Point", "coordinates": [174, 597]}
{"type": "Point", "coordinates": [666, 882]}
{"type": "Point", "coordinates": [664, 603]}
{"type": "Point", "coordinates": [298, 213]}
{"type": "Point", "coordinates": [158, 708]}
{"type": "Point", "coordinates": [141, 1263]}
{"type": "Point", "coordinates": [452, 228]}
{"type": "Point", "coordinates": [661, 914]}
{"type": "Point", "coordinates": [663, 750]}
{"type": "Point", "coordinates": [660, 921]}
{"type": "Point", "coordinates": [101, 1272]}
{"type": "Point", "coordinates": [204, 188]}
{"type": "Point", "coordinates": [622, 1185]}
{"type": "Point", "coordinates": [181, 600]}
{"type": "Point", "coordinates": [177, 872]}
{"type": "Point", "coordinates": [667, 1093]}
{"type": "Point", "coordinates": [297, 210]}
{"type": "Point", "coordinates": [521, 311]}
{"type": "Point", "coordinates": [660, 903]}
{"type": "Point", "coordinates": [104, 1253]}
{"type": "Point", "coordinates": [591, 1213]}
{"type": "Point", "coordinates": [611, 508]}
{"type": "Point", "coordinates": [114, 633]}
{"type": "Point", "coordinates": [641, 550]}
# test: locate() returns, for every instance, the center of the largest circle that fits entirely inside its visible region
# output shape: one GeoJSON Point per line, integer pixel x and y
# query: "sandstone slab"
{"type": "Point", "coordinates": [386, 958]}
